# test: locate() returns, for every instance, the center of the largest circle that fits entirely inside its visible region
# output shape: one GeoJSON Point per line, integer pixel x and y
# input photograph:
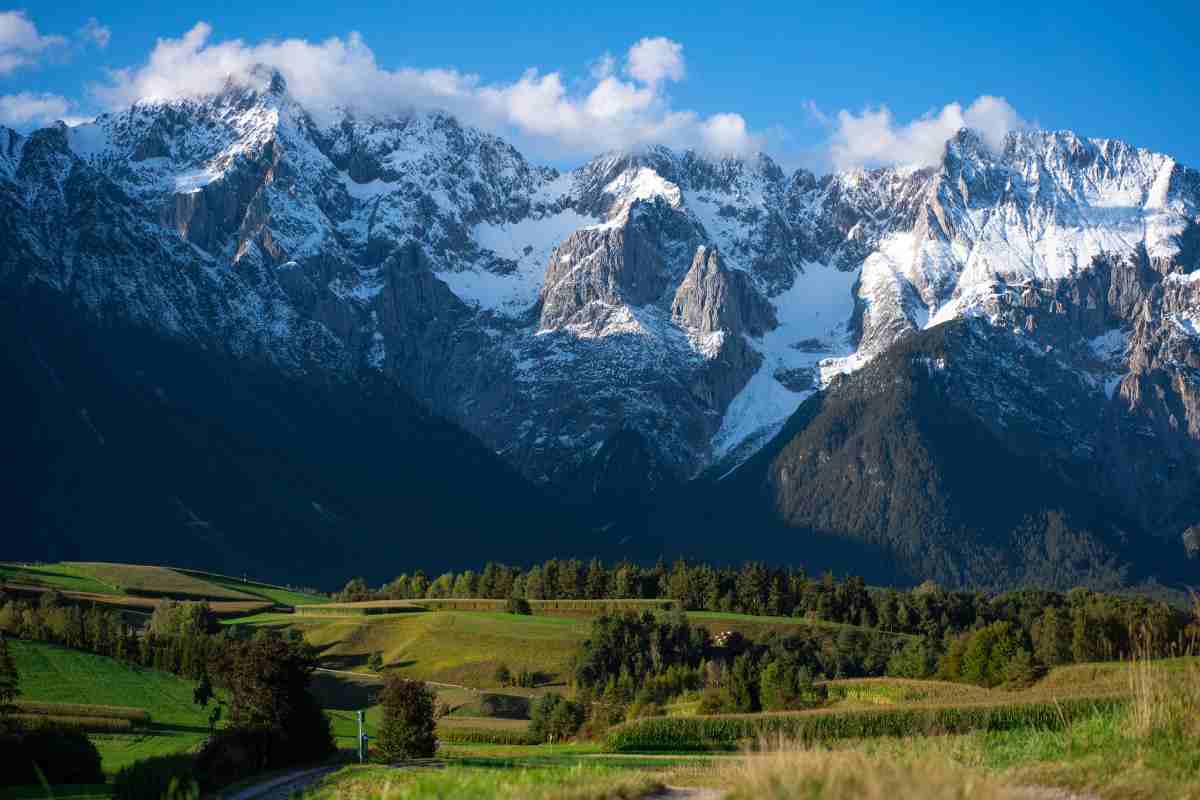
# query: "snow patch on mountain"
{"type": "Point", "coordinates": [529, 243]}
{"type": "Point", "coordinates": [812, 318]}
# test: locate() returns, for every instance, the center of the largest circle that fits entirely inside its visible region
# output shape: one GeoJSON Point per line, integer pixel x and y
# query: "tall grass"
{"type": "Point", "coordinates": [795, 772]}
{"type": "Point", "coordinates": [1165, 701]}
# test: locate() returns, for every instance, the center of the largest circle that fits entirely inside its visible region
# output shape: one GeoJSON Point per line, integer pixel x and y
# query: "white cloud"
{"type": "Point", "coordinates": [95, 33]}
{"type": "Point", "coordinates": [654, 60]}
{"type": "Point", "coordinates": [605, 112]}
{"type": "Point", "coordinates": [726, 134]}
{"type": "Point", "coordinates": [873, 138]}
{"type": "Point", "coordinates": [20, 42]}
{"type": "Point", "coordinates": [27, 110]}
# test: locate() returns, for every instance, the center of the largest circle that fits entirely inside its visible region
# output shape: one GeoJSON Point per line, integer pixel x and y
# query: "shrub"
{"type": "Point", "coordinates": [554, 718]}
{"type": "Point", "coordinates": [518, 605]}
{"type": "Point", "coordinates": [503, 676]}
{"type": "Point", "coordinates": [914, 660]}
{"type": "Point", "coordinates": [233, 754]}
{"type": "Point", "coordinates": [786, 687]}
{"type": "Point", "coordinates": [153, 778]}
{"type": "Point", "coordinates": [407, 730]}
{"type": "Point", "coordinates": [60, 755]}
{"type": "Point", "coordinates": [504, 706]}
{"type": "Point", "coordinates": [375, 662]}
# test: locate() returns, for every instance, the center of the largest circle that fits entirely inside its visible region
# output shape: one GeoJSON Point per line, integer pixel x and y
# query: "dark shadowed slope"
{"type": "Point", "coordinates": [123, 445]}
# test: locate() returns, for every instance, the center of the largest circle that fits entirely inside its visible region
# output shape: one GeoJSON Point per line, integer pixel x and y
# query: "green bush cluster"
{"type": "Point", "coordinates": [554, 718]}
{"type": "Point", "coordinates": [52, 754]}
{"type": "Point", "coordinates": [155, 778]}
{"type": "Point", "coordinates": [725, 732]}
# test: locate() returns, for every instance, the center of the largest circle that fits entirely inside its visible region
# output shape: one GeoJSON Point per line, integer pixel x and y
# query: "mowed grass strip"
{"type": "Point", "coordinates": [729, 731]}
{"type": "Point", "coordinates": [154, 581]}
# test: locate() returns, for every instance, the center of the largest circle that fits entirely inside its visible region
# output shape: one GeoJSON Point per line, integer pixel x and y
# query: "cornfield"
{"type": "Point", "coordinates": [137, 715]}
{"type": "Point", "coordinates": [486, 736]}
{"type": "Point", "coordinates": [89, 724]}
{"type": "Point", "coordinates": [729, 731]}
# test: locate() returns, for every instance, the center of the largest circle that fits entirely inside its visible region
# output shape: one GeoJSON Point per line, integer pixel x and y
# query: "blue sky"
{"type": "Point", "coordinates": [775, 76]}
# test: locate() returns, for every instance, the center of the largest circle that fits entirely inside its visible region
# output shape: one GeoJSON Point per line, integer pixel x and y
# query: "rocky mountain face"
{"type": "Point", "coordinates": [649, 318]}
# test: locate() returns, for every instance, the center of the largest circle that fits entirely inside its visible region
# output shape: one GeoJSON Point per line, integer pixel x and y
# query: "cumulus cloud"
{"type": "Point", "coordinates": [20, 42]}
{"type": "Point", "coordinates": [653, 60]}
{"type": "Point", "coordinates": [93, 32]}
{"type": "Point", "coordinates": [873, 137]}
{"type": "Point", "coordinates": [28, 110]}
{"type": "Point", "coordinates": [603, 112]}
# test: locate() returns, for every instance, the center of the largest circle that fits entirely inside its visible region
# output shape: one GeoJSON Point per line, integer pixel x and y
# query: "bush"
{"type": "Point", "coordinates": [786, 687]}
{"type": "Point", "coordinates": [408, 727]}
{"type": "Point", "coordinates": [60, 755]}
{"type": "Point", "coordinates": [153, 778]}
{"type": "Point", "coordinates": [518, 605]}
{"type": "Point", "coordinates": [233, 754]}
{"type": "Point", "coordinates": [504, 706]}
{"type": "Point", "coordinates": [503, 675]}
{"type": "Point", "coordinates": [554, 718]}
{"type": "Point", "coordinates": [375, 662]}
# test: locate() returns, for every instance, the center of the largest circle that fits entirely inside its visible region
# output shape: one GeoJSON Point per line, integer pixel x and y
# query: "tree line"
{"type": "Point", "coordinates": [1055, 627]}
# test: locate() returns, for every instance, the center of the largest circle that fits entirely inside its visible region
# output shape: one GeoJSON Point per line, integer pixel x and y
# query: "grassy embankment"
{"type": "Point", "coordinates": [52, 674]}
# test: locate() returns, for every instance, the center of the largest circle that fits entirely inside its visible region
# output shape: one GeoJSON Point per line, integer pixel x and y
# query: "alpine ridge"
{"type": "Point", "coordinates": [655, 319]}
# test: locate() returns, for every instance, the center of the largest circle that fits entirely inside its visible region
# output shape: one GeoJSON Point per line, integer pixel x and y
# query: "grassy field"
{"type": "Point", "coordinates": [51, 674]}
{"type": "Point", "coordinates": [539, 607]}
{"type": "Point", "coordinates": [157, 582]}
{"type": "Point", "coordinates": [462, 647]}
{"type": "Point", "coordinates": [276, 594]}
{"type": "Point", "coordinates": [64, 577]}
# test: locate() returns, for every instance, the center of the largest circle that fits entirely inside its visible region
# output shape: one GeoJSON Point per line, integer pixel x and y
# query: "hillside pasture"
{"type": "Point", "coordinates": [281, 595]}
{"type": "Point", "coordinates": [56, 675]}
{"type": "Point", "coordinates": [540, 607]}
{"type": "Point", "coordinates": [456, 647]}
{"type": "Point", "coordinates": [151, 581]}
{"type": "Point", "coordinates": [63, 577]}
{"type": "Point", "coordinates": [141, 605]}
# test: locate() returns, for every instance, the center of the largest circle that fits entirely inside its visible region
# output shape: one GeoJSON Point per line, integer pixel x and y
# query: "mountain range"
{"type": "Point", "coordinates": [245, 333]}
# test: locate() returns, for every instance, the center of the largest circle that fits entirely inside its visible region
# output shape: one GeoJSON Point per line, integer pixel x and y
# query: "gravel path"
{"type": "Point", "coordinates": [282, 786]}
